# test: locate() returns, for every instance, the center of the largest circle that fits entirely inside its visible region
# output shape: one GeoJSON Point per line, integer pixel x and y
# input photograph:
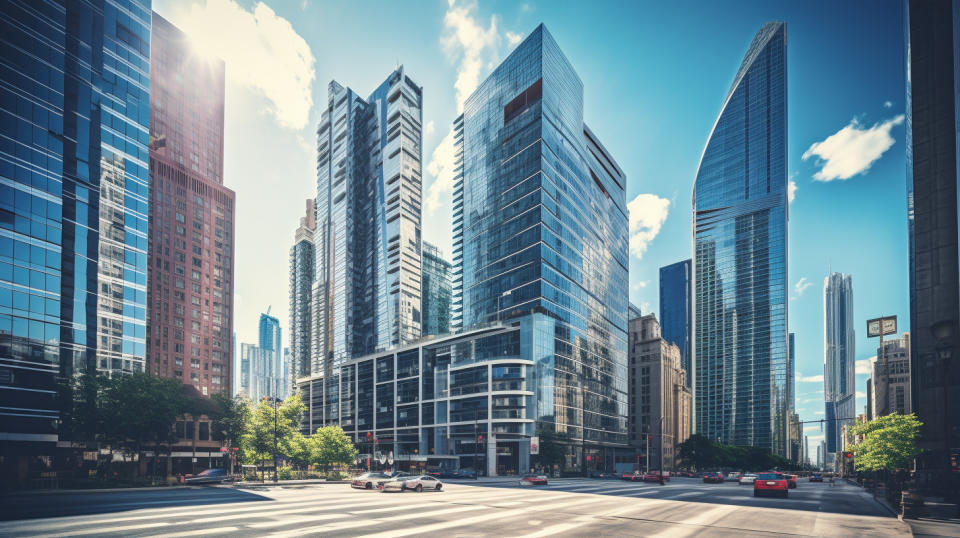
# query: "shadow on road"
{"type": "Point", "coordinates": [77, 503]}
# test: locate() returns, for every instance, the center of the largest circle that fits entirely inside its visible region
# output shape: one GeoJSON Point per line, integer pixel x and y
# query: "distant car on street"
{"type": "Point", "coordinates": [770, 483]}
{"type": "Point", "coordinates": [465, 473]}
{"type": "Point", "coordinates": [816, 477]}
{"type": "Point", "coordinates": [654, 476]}
{"type": "Point", "coordinates": [713, 478]}
{"type": "Point", "coordinates": [632, 477]}
{"type": "Point", "coordinates": [732, 476]}
{"type": "Point", "coordinates": [368, 480]}
{"type": "Point", "coordinates": [791, 480]}
{"type": "Point", "coordinates": [210, 476]}
{"type": "Point", "coordinates": [417, 483]}
{"type": "Point", "coordinates": [533, 480]}
{"type": "Point", "coordinates": [602, 475]}
{"type": "Point", "coordinates": [747, 478]}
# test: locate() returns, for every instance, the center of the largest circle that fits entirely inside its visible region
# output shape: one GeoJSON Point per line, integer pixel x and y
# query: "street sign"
{"type": "Point", "coordinates": [534, 445]}
{"type": "Point", "coordinates": [881, 326]}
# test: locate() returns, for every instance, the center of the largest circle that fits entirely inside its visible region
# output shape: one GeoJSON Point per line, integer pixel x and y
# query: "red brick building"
{"type": "Point", "coordinates": [190, 280]}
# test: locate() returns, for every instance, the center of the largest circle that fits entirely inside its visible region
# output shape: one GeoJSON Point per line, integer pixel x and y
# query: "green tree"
{"type": "Point", "coordinates": [271, 427]}
{"type": "Point", "coordinates": [301, 449]}
{"type": "Point", "coordinates": [700, 453]}
{"type": "Point", "coordinates": [333, 447]}
{"type": "Point", "coordinates": [553, 448]}
{"type": "Point", "coordinates": [79, 398]}
{"type": "Point", "coordinates": [889, 443]}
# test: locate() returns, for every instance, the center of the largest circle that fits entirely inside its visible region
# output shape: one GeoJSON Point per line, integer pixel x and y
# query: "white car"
{"type": "Point", "coordinates": [413, 483]}
{"type": "Point", "coordinates": [747, 479]}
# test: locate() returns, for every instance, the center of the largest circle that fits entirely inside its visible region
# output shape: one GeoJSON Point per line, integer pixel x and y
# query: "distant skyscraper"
{"type": "Point", "coordinates": [302, 270]}
{"type": "Point", "coordinates": [791, 373]}
{"type": "Point", "coordinates": [74, 204]}
{"type": "Point", "coordinates": [191, 228]}
{"type": "Point", "coordinates": [740, 256]}
{"type": "Point", "coordinates": [437, 289]}
{"type": "Point", "coordinates": [933, 92]}
{"type": "Point", "coordinates": [367, 240]}
{"type": "Point", "coordinates": [889, 385]}
{"type": "Point", "coordinates": [270, 333]}
{"type": "Point", "coordinates": [839, 388]}
{"type": "Point", "coordinates": [676, 310]}
{"type": "Point", "coordinates": [261, 373]}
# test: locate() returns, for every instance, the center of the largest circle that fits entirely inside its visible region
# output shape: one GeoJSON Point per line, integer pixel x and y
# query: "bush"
{"type": "Point", "coordinates": [284, 473]}
{"type": "Point", "coordinates": [337, 475]}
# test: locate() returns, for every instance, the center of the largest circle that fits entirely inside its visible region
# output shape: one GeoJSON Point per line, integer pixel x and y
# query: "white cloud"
{"type": "Point", "coordinates": [887, 104]}
{"type": "Point", "coordinates": [865, 366]}
{"type": "Point", "coordinates": [801, 286]}
{"type": "Point", "coordinates": [811, 378]}
{"type": "Point", "coordinates": [814, 428]}
{"type": "Point", "coordinates": [514, 39]}
{"type": "Point", "coordinates": [647, 214]}
{"type": "Point", "coordinates": [791, 191]}
{"type": "Point", "coordinates": [261, 50]}
{"type": "Point", "coordinates": [852, 150]}
{"type": "Point", "coordinates": [860, 394]}
{"type": "Point", "coordinates": [475, 45]}
{"type": "Point", "coordinates": [428, 129]}
{"type": "Point", "coordinates": [817, 413]}
{"type": "Point", "coordinates": [642, 283]}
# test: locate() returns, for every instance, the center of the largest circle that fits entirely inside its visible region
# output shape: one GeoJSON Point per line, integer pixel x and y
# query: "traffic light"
{"type": "Point", "coordinates": [848, 455]}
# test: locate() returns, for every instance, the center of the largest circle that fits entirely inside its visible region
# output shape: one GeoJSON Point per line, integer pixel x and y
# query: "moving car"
{"type": "Point", "coordinates": [712, 478]}
{"type": "Point", "coordinates": [654, 476]}
{"type": "Point", "coordinates": [367, 480]}
{"type": "Point", "coordinates": [602, 474]}
{"type": "Point", "coordinates": [747, 479]}
{"type": "Point", "coordinates": [791, 480]}
{"type": "Point", "coordinates": [632, 477]}
{"type": "Point", "coordinates": [533, 480]}
{"type": "Point", "coordinates": [816, 477]}
{"type": "Point", "coordinates": [770, 483]}
{"type": "Point", "coordinates": [210, 476]}
{"type": "Point", "coordinates": [413, 483]}
{"type": "Point", "coordinates": [393, 475]}
{"type": "Point", "coordinates": [733, 476]}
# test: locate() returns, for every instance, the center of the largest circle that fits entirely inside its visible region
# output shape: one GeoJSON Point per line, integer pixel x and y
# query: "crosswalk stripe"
{"type": "Point", "coordinates": [198, 532]}
{"type": "Point", "coordinates": [392, 508]}
{"type": "Point", "coordinates": [562, 527]}
{"type": "Point", "coordinates": [106, 530]}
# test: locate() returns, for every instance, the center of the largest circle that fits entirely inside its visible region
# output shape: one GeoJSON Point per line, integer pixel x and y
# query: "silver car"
{"type": "Point", "coordinates": [748, 479]}
{"type": "Point", "coordinates": [413, 483]}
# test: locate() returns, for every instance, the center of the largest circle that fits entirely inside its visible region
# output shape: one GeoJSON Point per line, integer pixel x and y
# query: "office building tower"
{"type": "Point", "coordinates": [261, 374]}
{"type": "Point", "coordinates": [270, 333]}
{"type": "Point", "coordinates": [437, 290]}
{"type": "Point", "coordinates": [367, 240]}
{"type": "Point", "coordinates": [740, 256]}
{"type": "Point", "coordinates": [676, 310]}
{"type": "Point", "coordinates": [888, 388]}
{"type": "Point", "coordinates": [633, 312]}
{"type": "Point", "coordinates": [533, 177]}
{"type": "Point", "coordinates": [839, 388]}
{"type": "Point", "coordinates": [791, 373]}
{"type": "Point", "coordinates": [933, 90]}
{"type": "Point", "coordinates": [660, 401]}
{"type": "Point", "coordinates": [190, 303]}
{"type": "Point", "coordinates": [74, 204]}
{"type": "Point", "coordinates": [302, 270]}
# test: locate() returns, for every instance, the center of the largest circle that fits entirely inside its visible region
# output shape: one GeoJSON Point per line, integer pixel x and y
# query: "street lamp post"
{"type": "Point", "coordinates": [275, 477]}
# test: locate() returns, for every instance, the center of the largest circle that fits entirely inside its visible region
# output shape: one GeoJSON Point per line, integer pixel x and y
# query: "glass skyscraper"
{"type": "Point", "coordinates": [839, 354]}
{"type": "Point", "coordinates": [740, 256]}
{"type": "Point", "coordinates": [676, 310]}
{"type": "Point", "coordinates": [540, 226]}
{"type": "Point", "coordinates": [302, 270]}
{"type": "Point", "coordinates": [367, 293]}
{"type": "Point", "coordinates": [74, 191]}
{"type": "Point", "coordinates": [270, 333]}
{"type": "Point", "coordinates": [437, 290]}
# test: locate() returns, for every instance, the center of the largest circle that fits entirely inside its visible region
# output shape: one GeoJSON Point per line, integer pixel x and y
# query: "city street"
{"type": "Point", "coordinates": [570, 507]}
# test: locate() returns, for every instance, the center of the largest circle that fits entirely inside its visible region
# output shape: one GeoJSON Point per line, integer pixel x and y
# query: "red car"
{"type": "Point", "coordinates": [791, 480]}
{"type": "Point", "coordinates": [713, 478]}
{"type": "Point", "coordinates": [770, 484]}
{"type": "Point", "coordinates": [632, 477]}
{"type": "Point", "coordinates": [654, 476]}
{"type": "Point", "coordinates": [533, 480]}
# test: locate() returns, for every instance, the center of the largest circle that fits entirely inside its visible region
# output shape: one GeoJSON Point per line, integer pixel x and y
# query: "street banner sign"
{"type": "Point", "coordinates": [534, 445]}
{"type": "Point", "coordinates": [881, 326]}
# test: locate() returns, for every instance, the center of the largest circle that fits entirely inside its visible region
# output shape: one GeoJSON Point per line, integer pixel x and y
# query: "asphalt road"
{"type": "Point", "coordinates": [684, 507]}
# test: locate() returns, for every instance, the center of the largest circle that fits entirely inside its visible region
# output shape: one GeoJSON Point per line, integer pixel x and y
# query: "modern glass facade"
{"type": "Point", "coordinates": [260, 374]}
{"type": "Point", "coordinates": [676, 311]}
{"type": "Point", "coordinates": [740, 256]}
{"type": "Point", "coordinates": [839, 356]}
{"type": "Point", "coordinates": [367, 294]}
{"type": "Point", "coordinates": [270, 339]}
{"type": "Point", "coordinates": [74, 191]}
{"type": "Point", "coordinates": [302, 270]}
{"type": "Point", "coordinates": [932, 31]}
{"type": "Point", "coordinates": [540, 226]}
{"type": "Point", "coordinates": [437, 291]}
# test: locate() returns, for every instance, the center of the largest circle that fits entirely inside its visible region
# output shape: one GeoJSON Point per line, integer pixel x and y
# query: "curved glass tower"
{"type": "Point", "coordinates": [740, 256]}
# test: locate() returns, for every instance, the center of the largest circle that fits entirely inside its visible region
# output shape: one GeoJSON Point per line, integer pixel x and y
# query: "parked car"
{"type": "Point", "coordinates": [368, 480]}
{"type": "Point", "coordinates": [713, 478]}
{"type": "Point", "coordinates": [732, 476]}
{"type": "Point", "coordinates": [210, 476]}
{"type": "Point", "coordinates": [465, 473]}
{"type": "Point", "coordinates": [632, 477]}
{"type": "Point", "coordinates": [533, 480]}
{"type": "Point", "coordinates": [791, 481]}
{"type": "Point", "coordinates": [413, 483]}
{"type": "Point", "coordinates": [816, 477]}
{"type": "Point", "coordinates": [443, 473]}
{"type": "Point", "coordinates": [393, 475]}
{"type": "Point", "coordinates": [654, 476]}
{"type": "Point", "coordinates": [770, 483]}
{"type": "Point", "coordinates": [602, 474]}
{"type": "Point", "coordinates": [686, 474]}
{"type": "Point", "coordinates": [747, 479]}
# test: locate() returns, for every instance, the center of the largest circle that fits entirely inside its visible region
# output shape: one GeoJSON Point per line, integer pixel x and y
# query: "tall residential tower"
{"type": "Point", "coordinates": [740, 256]}
{"type": "Point", "coordinates": [302, 270]}
{"type": "Point", "coordinates": [437, 291]}
{"type": "Point", "coordinates": [839, 355]}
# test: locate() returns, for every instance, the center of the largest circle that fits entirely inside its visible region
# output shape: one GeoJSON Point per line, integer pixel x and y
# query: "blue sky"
{"type": "Point", "coordinates": [655, 74]}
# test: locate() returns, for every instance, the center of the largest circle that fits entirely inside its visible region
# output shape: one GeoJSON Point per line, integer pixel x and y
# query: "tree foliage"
{"type": "Point", "coordinates": [553, 448]}
{"type": "Point", "coordinates": [333, 447]}
{"type": "Point", "coordinates": [889, 443]}
{"type": "Point", "coordinates": [701, 453]}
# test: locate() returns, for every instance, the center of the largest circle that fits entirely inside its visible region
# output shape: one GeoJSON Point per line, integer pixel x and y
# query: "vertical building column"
{"type": "Point", "coordinates": [524, 456]}
{"type": "Point", "coordinates": [491, 454]}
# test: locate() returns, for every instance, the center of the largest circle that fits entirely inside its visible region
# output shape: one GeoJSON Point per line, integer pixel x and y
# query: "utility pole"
{"type": "Point", "coordinates": [275, 477]}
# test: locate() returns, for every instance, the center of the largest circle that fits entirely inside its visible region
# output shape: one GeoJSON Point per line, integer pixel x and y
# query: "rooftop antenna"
{"type": "Point", "coordinates": [268, 309]}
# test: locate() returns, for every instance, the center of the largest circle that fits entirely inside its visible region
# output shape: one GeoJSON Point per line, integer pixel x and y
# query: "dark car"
{"type": "Point", "coordinates": [816, 477]}
{"type": "Point", "coordinates": [603, 475]}
{"type": "Point", "coordinates": [210, 476]}
{"type": "Point", "coordinates": [713, 478]}
{"type": "Point", "coordinates": [465, 473]}
{"type": "Point", "coordinates": [771, 483]}
{"type": "Point", "coordinates": [367, 480]}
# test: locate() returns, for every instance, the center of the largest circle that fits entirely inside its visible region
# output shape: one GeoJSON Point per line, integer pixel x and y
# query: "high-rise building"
{"type": "Point", "coordinates": [260, 373]}
{"type": "Point", "coordinates": [791, 373]}
{"type": "Point", "coordinates": [437, 290]}
{"type": "Point", "coordinates": [889, 384]}
{"type": "Point", "coordinates": [660, 402]}
{"type": "Point", "coordinates": [839, 354]}
{"type": "Point", "coordinates": [740, 256]}
{"type": "Point", "coordinates": [302, 270]}
{"type": "Point", "coordinates": [190, 303]}
{"type": "Point", "coordinates": [933, 92]}
{"type": "Point", "coordinates": [676, 310]}
{"type": "Point", "coordinates": [540, 227]}
{"type": "Point", "coordinates": [367, 294]}
{"type": "Point", "coordinates": [74, 204]}
{"type": "Point", "coordinates": [270, 333]}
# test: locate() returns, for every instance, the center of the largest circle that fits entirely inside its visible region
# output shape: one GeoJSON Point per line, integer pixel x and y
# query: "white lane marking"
{"type": "Point", "coordinates": [198, 532]}
{"type": "Point", "coordinates": [562, 527]}
{"type": "Point", "coordinates": [308, 508]}
{"type": "Point", "coordinates": [688, 526]}
{"type": "Point", "coordinates": [392, 508]}
{"type": "Point", "coordinates": [105, 530]}
{"type": "Point", "coordinates": [295, 521]}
